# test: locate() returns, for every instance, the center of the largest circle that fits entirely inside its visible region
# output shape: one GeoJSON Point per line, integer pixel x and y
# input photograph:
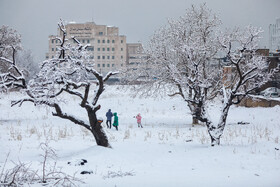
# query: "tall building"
{"type": "Point", "coordinates": [108, 49]}
{"type": "Point", "coordinates": [274, 36]}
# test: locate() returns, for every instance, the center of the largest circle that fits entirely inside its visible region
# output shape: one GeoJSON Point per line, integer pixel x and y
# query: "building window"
{"type": "Point", "coordinates": [91, 57]}
{"type": "Point", "coordinates": [121, 41]}
{"type": "Point", "coordinates": [121, 49]}
{"type": "Point", "coordinates": [108, 41]}
{"type": "Point", "coordinates": [98, 57]}
{"type": "Point", "coordinates": [103, 57]}
{"type": "Point", "coordinates": [103, 41]}
{"type": "Point", "coordinates": [113, 65]}
{"type": "Point", "coordinates": [108, 49]}
{"type": "Point", "coordinates": [113, 41]}
{"type": "Point", "coordinates": [113, 57]}
{"type": "Point", "coordinates": [83, 41]}
{"type": "Point", "coordinates": [113, 49]}
{"type": "Point", "coordinates": [52, 56]}
{"type": "Point", "coordinates": [52, 41]}
{"type": "Point", "coordinates": [88, 41]}
{"type": "Point", "coordinates": [121, 57]}
{"type": "Point", "coordinates": [90, 48]}
{"type": "Point", "coordinates": [108, 65]}
{"type": "Point", "coordinates": [98, 65]}
{"type": "Point", "coordinates": [108, 57]}
{"type": "Point", "coordinates": [52, 49]}
{"type": "Point", "coordinates": [98, 49]}
{"type": "Point", "coordinates": [98, 41]}
{"type": "Point", "coordinates": [103, 65]}
{"type": "Point", "coordinates": [100, 33]}
{"type": "Point", "coordinates": [55, 41]}
{"type": "Point", "coordinates": [103, 49]}
{"type": "Point", "coordinates": [47, 57]}
{"type": "Point", "coordinates": [121, 65]}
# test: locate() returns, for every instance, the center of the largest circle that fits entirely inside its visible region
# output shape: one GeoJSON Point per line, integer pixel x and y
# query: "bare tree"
{"type": "Point", "coordinates": [69, 74]}
{"type": "Point", "coordinates": [249, 71]}
{"type": "Point", "coordinates": [10, 75]}
{"type": "Point", "coordinates": [181, 57]}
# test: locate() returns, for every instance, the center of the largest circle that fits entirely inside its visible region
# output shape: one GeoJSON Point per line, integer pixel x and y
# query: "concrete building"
{"type": "Point", "coordinates": [108, 49]}
{"type": "Point", "coordinates": [274, 36]}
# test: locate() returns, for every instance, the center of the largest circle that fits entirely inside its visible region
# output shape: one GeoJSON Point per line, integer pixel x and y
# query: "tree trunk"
{"type": "Point", "coordinates": [97, 130]}
{"type": "Point", "coordinates": [216, 132]}
{"type": "Point", "coordinates": [194, 121]}
{"type": "Point", "coordinates": [99, 135]}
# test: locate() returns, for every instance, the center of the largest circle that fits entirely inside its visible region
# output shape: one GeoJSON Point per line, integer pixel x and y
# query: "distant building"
{"type": "Point", "coordinates": [108, 50]}
{"type": "Point", "coordinates": [274, 36]}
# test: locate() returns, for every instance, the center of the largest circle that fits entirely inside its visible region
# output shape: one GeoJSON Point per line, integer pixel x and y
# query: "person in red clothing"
{"type": "Point", "coordinates": [138, 117]}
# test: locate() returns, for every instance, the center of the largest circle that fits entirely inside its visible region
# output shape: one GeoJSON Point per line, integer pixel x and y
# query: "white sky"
{"type": "Point", "coordinates": [36, 19]}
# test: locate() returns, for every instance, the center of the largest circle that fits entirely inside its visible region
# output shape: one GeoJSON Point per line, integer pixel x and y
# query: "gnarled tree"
{"type": "Point", "coordinates": [69, 74]}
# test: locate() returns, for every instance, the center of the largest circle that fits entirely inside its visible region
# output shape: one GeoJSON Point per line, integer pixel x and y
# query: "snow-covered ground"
{"type": "Point", "coordinates": [168, 151]}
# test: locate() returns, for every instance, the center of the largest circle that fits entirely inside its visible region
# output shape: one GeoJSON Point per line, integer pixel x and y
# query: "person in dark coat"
{"type": "Point", "coordinates": [116, 121]}
{"type": "Point", "coordinates": [109, 116]}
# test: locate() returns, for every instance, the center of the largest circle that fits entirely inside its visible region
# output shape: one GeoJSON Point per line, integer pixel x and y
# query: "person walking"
{"type": "Point", "coordinates": [109, 116]}
{"type": "Point", "coordinates": [116, 121]}
{"type": "Point", "coordinates": [138, 117]}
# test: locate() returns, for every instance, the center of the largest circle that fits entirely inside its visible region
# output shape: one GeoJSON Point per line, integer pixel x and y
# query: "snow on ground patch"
{"type": "Point", "coordinates": [168, 151]}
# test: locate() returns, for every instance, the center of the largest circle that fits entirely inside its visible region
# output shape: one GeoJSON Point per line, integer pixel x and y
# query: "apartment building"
{"type": "Point", "coordinates": [274, 36]}
{"type": "Point", "coordinates": [108, 49]}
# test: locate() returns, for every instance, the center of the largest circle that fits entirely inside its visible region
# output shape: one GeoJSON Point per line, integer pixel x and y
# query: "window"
{"type": "Point", "coordinates": [113, 41]}
{"type": "Point", "coordinates": [55, 41]}
{"type": "Point", "coordinates": [52, 56]}
{"type": "Point", "coordinates": [103, 57]}
{"type": "Point", "coordinates": [52, 41]}
{"type": "Point", "coordinates": [113, 49]}
{"type": "Point", "coordinates": [83, 41]}
{"type": "Point", "coordinates": [108, 57]}
{"type": "Point", "coordinates": [103, 41]}
{"type": "Point", "coordinates": [88, 41]}
{"type": "Point", "coordinates": [121, 57]}
{"type": "Point", "coordinates": [98, 65]}
{"type": "Point", "coordinates": [98, 41]}
{"type": "Point", "coordinates": [108, 49]}
{"type": "Point", "coordinates": [121, 41]}
{"type": "Point", "coordinates": [98, 57]}
{"type": "Point", "coordinates": [121, 49]}
{"type": "Point", "coordinates": [108, 41]}
{"type": "Point", "coordinates": [108, 65]}
{"type": "Point", "coordinates": [91, 57]}
{"type": "Point", "coordinates": [98, 49]}
{"type": "Point", "coordinates": [113, 57]}
{"type": "Point", "coordinates": [103, 49]}
{"type": "Point", "coordinates": [100, 33]}
{"type": "Point", "coordinates": [52, 49]}
{"type": "Point", "coordinates": [113, 65]}
{"type": "Point", "coordinates": [90, 48]}
{"type": "Point", "coordinates": [47, 57]}
{"type": "Point", "coordinates": [103, 65]}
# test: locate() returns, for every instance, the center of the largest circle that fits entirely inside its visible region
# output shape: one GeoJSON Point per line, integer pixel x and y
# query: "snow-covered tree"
{"type": "Point", "coordinates": [249, 71]}
{"type": "Point", "coordinates": [25, 61]}
{"type": "Point", "coordinates": [181, 57]}
{"type": "Point", "coordinates": [182, 62]}
{"type": "Point", "coordinates": [10, 75]}
{"type": "Point", "coordinates": [70, 74]}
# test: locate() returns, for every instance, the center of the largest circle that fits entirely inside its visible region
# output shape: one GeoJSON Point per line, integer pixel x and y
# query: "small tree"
{"type": "Point", "coordinates": [69, 74]}
{"type": "Point", "coordinates": [10, 75]}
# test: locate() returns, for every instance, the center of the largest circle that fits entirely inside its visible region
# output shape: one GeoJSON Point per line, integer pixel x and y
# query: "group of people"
{"type": "Point", "coordinates": [109, 116]}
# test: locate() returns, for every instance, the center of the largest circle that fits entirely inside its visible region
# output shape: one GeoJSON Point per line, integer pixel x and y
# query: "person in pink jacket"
{"type": "Point", "coordinates": [138, 117]}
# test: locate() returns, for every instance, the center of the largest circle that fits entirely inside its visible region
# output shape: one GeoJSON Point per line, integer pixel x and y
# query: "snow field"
{"type": "Point", "coordinates": [168, 151]}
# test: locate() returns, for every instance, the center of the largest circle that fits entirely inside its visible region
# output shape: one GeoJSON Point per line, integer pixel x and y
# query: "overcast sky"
{"type": "Point", "coordinates": [35, 20]}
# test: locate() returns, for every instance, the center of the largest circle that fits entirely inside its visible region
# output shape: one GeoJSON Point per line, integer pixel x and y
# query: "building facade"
{"type": "Point", "coordinates": [274, 36]}
{"type": "Point", "coordinates": [107, 49]}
